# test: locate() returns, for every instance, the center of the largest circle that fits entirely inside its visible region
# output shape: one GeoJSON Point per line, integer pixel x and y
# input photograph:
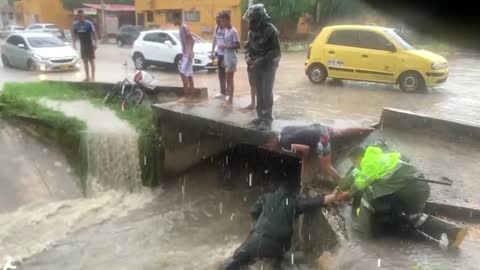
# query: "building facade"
{"type": "Point", "coordinates": [200, 15]}
{"type": "Point", "coordinates": [7, 13]}
{"type": "Point", "coordinates": [43, 11]}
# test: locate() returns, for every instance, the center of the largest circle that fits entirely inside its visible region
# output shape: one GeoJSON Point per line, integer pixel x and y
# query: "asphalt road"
{"type": "Point", "coordinates": [458, 99]}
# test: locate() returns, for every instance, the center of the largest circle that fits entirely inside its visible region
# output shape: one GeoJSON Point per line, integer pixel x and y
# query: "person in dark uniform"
{"type": "Point", "coordinates": [251, 80]}
{"type": "Point", "coordinates": [275, 213]}
{"type": "Point", "coordinates": [312, 139]}
{"type": "Point", "coordinates": [85, 32]}
{"type": "Point", "coordinates": [263, 53]}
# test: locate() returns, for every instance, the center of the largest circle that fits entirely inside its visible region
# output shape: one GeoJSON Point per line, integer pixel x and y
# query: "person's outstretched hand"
{"type": "Point", "coordinates": [332, 197]}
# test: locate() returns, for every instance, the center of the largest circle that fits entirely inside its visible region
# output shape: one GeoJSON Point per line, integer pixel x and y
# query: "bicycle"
{"type": "Point", "coordinates": [131, 94]}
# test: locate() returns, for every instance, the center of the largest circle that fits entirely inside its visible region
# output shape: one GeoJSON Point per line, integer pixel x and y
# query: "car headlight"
{"type": "Point", "coordinates": [38, 57]}
{"type": "Point", "coordinates": [438, 65]}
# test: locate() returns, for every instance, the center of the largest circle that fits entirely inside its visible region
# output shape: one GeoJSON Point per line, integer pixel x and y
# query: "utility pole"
{"type": "Point", "coordinates": [250, 3]}
{"type": "Point", "coordinates": [104, 26]}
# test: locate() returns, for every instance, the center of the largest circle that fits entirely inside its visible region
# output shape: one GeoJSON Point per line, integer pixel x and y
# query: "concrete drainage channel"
{"type": "Point", "coordinates": [190, 137]}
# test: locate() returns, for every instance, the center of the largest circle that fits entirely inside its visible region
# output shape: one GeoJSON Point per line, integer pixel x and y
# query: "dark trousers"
{"type": "Point", "coordinates": [264, 80]}
{"type": "Point", "coordinates": [221, 75]}
{"type": "Point", "coordinates": [257, 246]}
{"type": "Point", "coordinates": [408, 200]}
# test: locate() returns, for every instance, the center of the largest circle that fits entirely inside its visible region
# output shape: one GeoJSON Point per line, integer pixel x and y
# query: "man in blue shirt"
{"type": "Point", "coordinates": [85, 32]}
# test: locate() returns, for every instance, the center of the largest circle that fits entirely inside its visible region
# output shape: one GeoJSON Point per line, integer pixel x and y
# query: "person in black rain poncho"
{"type": "Point", "coordinates": [263, 55]}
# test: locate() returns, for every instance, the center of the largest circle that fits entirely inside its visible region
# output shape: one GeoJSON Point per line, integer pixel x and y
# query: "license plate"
{"type": "Point", "coordinates": [63, 67]}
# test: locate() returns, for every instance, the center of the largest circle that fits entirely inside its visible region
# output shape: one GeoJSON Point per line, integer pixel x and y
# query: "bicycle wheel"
{"type": "Point", "coordinates": [113, 93]}
{"type": "Point", "coordinates": [132, 100]}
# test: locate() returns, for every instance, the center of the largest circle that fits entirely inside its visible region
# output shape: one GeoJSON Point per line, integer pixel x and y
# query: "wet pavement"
{"type": "Point", "coordinates": [32, 171]}
{"type": "Point", "coordinates": [458, 99]}
{"type": "Point", "coordinates": [197, 224]}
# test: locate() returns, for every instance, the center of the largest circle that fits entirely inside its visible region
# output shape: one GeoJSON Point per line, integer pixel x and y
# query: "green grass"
{"type": "Point", "coordinates": [28, 93]}
{"type": "Point", "coordinates": [21, 103]}
{"type": "Point", "coordinates": [20, 100]}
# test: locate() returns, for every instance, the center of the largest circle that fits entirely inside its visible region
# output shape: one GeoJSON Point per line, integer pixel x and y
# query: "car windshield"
{"type": "Point", "coordinates": [197, 38]}
{"type": "Point", "coordinates": [399, 39]}
{"type": "Point", "coordinates": [51, 26]}
{"type": "Point", "coordinates": [45, 42]}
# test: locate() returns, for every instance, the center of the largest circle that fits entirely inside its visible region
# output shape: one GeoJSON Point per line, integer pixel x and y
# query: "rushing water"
{"type": "Point", "coordinates": [111, 147]}
{"type": "Point", "coordinates": [193, 222]}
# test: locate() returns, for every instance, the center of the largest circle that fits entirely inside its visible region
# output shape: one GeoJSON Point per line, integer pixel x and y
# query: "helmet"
{"type": "Point", "coordinates": [255, 12]}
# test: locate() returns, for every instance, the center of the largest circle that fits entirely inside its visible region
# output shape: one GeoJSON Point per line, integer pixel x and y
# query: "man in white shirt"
{"type": "Point", "coordinates": [218, 41]}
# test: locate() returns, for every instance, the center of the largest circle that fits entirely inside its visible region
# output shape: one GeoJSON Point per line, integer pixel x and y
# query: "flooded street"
{"type": "Point", "coordinates": [196, 220]}
{"type": "Point", "coordinates": [457, 99]}
{"type": "Point", "coordinates": [193, 222]}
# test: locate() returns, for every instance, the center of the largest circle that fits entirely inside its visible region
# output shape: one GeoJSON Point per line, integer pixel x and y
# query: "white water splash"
{"type": "Point", "coordinates": [111, 146]}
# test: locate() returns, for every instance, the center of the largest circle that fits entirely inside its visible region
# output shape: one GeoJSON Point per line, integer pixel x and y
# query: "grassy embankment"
{"type": "Point", "coordinates": [19, 101]}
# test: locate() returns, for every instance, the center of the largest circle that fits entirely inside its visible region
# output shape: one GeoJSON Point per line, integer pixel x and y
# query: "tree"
{"type": "Point", "coordinates": [323, 11]}
{"type": "Point", "coordinates": [71, 4]}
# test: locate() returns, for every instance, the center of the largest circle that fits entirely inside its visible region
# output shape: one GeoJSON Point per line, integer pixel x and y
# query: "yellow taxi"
{"type": "Point", "coordinates": [375, 54]}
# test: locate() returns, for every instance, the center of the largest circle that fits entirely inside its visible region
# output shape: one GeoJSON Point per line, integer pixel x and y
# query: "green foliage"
{"type": "Point", "coordinates": [328, 9]}
{"type": "Point", "coordinates": [71, 4]}
{"type": "Point", "coordinates": [140, 117]}
{"type": "Point", "coordinates": [23, 105]}
{"type": "Point", "coordinates": [20, 99]}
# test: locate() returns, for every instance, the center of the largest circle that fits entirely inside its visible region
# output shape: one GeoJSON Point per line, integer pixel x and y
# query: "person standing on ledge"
{"type": "Point", "coordinates": [187, 42]}
{"type": "Point", "coordinates": [251, 80]}
{"type": "Point", "coordinates": [219, 41]}
{"type": "Point", "coordinates": [85, 32]}
{"type": "Point", "coordinates": [231, 45]}
{"type": "Point", "coordinates": [263, 53]}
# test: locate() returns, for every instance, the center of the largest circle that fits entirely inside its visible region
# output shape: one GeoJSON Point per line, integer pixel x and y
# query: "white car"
{"type": "Point", "coordinates": [38, 51]}
{"type": "Point", "coordinates": [47, 28]}
{"type": "Point", "coordinates": [9, 29]}
{"type": "Point", "coordinates": [163, 48]}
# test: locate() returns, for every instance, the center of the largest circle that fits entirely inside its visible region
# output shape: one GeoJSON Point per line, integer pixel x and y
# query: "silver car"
{"type": "Point", "coordinates": [10, 29]}
{"type": "Point", "coordinates": [46, 28]}
{"type": "Point", "coordinates": [38, 51]}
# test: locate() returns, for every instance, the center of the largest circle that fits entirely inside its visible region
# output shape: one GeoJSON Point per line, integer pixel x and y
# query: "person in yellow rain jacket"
{"type": "Point", "coordinates": [386, 186]}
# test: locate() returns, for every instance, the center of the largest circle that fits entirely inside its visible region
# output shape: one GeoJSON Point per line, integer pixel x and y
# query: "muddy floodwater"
{"type": "Point", "coordinates": [195, 221]}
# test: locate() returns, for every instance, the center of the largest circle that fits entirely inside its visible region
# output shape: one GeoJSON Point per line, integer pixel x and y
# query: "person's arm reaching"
{"type": "Point", "coordinates": [256, 209]}
{"type": "Point", "coordinates": [275, 52]}
{"type": "Point", "coordinates": [190, 42]}
{"type": "Point", "coordinates": [94, 36]}
{"type": "Point", "coordinates": [317, 202]}
{"type": "Point", "coordinates": [326, 166]}
{"type": "Point", "coordinates": [214, 43]}
{"type": "Point", "coordinates": [74, 36]}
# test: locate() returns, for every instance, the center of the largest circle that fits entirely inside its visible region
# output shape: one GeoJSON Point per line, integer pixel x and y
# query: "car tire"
{"type": "Point", "coordinates": [139, 61]}
{"type": "Point", "coordinates": [5, 61]}
{"type": "Point", "coordinates": [120, 43]}
{"type": "Point", "coordinates": [317, 73]}
{"type": "Point", "coordinates": [178, 63]}
{"type": "Point", "coordinates": [30, 65]}
{"type": "Point", "coordinates": [412, 81]}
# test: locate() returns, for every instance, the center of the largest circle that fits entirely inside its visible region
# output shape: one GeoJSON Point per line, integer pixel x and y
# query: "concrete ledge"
{"type": "Point", "coordinates": [453, 211]}
{"type": "Point", "coordinates": [406, 120]}
{"type": "Point", "coordinates": [160, 91]}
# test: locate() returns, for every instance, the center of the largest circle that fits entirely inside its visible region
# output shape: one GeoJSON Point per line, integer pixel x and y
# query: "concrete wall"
{"type": "Point", "coordinates": [405, 120]}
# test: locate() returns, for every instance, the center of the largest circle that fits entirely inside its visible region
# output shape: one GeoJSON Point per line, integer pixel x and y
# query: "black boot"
{"type": "Point", "coordinates": [255, 122]}
{"type": "Point", "coordinates": [265, 125]}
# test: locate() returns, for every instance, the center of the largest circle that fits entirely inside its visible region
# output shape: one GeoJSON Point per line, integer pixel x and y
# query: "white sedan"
{"type": "Point", "coordinates": [163, 48]}
{"type": "Point", "coordinates": [38, 51]}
